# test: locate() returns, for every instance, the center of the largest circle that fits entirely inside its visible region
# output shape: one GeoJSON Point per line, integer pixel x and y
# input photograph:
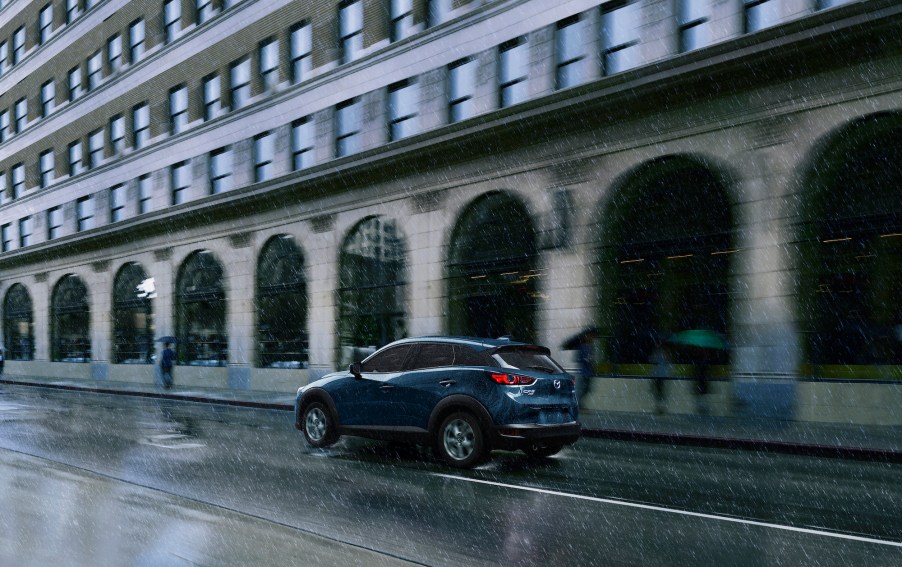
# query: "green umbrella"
{"type": "Point", "coordinates": [699, 338]}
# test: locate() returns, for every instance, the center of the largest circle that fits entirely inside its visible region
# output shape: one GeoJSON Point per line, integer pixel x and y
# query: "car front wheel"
{"type": "Point", "coordinates": [319, 426]}
{"type": "Point", "coordinates": [460, 441]}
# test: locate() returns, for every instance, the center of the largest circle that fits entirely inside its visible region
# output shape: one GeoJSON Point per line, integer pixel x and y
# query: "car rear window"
{"type": "Point", "coordinates": [527, 358]}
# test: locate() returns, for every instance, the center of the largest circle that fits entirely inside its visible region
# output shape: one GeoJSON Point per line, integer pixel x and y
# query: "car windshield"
{"type": "Point", "coordinates": [527, 358]}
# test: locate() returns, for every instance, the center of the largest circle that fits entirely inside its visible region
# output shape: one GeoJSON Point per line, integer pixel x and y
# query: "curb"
{"type": "Point", "coordinates": [675, 439]}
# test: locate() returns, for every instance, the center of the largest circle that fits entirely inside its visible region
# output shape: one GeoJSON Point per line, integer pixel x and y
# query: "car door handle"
{"type": "Point", "coordinates": [386, 387]}
{"type": "Point", "coordinates": [447, 383]}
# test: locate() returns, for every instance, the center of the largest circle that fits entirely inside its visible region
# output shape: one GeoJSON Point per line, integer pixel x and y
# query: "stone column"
{"type": "Point", "coordinates": [322, 253]}
{"type": "Point", "coordinates": [100, 292]}
{"type": "Point", "coordinates": [240, 316]}
{"type": "Point", "coordinates": [426, 285]}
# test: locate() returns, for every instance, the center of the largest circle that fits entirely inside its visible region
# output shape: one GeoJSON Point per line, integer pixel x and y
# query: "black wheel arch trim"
{"type": "Point", "coordinates": [465, 402]}
{"type": "Point", "coordinates": [316, 395]}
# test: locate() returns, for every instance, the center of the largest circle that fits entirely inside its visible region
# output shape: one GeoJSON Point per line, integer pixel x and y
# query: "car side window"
{"type": "Point", "coordinates": [433, 356]}
{"type": "Point", "coordinates": [466, 356]}
{"type": "Point", "coordinates": [391, 360]}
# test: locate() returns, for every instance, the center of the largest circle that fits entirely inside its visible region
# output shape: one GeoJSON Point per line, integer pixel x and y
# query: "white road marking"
{"type": "Point", "coordinates": [627, 504]}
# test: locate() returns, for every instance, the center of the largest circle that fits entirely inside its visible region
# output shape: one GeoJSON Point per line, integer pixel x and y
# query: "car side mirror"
{"type": "Point", "coordinates": [354, 369]}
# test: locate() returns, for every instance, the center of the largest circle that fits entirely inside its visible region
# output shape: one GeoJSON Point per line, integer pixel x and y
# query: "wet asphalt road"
{"type": "Point", "coordinates": [89, 479]}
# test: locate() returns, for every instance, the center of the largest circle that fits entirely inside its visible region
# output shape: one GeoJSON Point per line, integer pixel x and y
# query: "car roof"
{"type": "Point", "coordinates": [477, 343]}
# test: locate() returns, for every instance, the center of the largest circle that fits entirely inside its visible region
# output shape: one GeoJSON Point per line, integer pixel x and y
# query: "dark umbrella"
{"type": "Point", "coordinates": [699, 338]}
{"type": "Point", "coordinates": [573, 342]}
{"type": "Point", "coordinates": [167, 339]}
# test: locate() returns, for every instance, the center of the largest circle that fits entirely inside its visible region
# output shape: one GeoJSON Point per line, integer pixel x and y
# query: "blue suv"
{"type": "Point", "coordinates": [464, 396]}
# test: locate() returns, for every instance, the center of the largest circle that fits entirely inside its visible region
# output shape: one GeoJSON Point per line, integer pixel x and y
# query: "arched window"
{"type": "Point", "coordinates": [132, 316]}
{"type": "Point", "coordinates": [201, 312]}
{"type": "Point", "coordinates": [493, 276]}
{"type": "Point", "coordinates": [70, 321]}
{"type": "Point", "coordinates": [281, 305]}
{"type": "Point", "coordinates": [18, 324]}
{"type": "Point", "coordinates": [850, 296]}
{"type": "Point", "coordinates": [372, 288]}
{"type": "Point", "coordinates": [665, 264]}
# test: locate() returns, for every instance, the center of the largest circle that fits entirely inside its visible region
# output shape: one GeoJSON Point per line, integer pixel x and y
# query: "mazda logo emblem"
{"type": "Point", "coordinates": [557, 384]}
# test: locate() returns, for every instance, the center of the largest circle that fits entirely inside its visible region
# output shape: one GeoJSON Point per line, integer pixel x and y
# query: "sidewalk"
{"type": "Point", "coordinates": [863, 442]}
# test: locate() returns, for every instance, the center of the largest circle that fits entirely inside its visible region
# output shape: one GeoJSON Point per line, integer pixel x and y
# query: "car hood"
{"type": "Point", "coordinates": [324, 381]}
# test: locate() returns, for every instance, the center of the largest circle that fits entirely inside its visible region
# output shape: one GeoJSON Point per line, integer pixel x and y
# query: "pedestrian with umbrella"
{"type": "Point", "coordinates": [701, 345]}
{"type": "Point", "coordinates": [167, 361]}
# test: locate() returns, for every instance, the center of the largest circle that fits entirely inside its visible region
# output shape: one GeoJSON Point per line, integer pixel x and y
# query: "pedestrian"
{"type": "Point", "coordinates": [700, 375]}
{"type": "Point", "coordinates": [660, 361]}
{"type": "Point", "coordinates": [2, 360]}
{"type": "Point", "coordinates": [166, 363]}
{"type": "Point", "coordinates": [585, 353]}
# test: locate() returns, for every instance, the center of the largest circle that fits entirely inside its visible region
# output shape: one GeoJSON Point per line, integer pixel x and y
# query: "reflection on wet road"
{"type": "Point", "coordinates": [91, 480]}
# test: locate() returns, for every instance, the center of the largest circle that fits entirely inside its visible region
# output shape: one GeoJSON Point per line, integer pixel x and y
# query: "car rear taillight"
{"type": "Point", "coordinates": [512, 379]}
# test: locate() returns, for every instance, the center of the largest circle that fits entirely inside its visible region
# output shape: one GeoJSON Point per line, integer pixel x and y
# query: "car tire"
{"type": "Point", "coordinates": [542, 451]}
{"type": "Point", "coordinates": [318, 425]}
{"type": "Point", "coordinates": [460, 441]}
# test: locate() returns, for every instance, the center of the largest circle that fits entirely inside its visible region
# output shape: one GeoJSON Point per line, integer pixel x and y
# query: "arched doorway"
{"type": "Point", "coordinates": [492, 270]}
{"type": "Point", "coordinates": [200, 306]}
{"type": "Point", "coordinates": [70, 321]}
{"type": "Point", "coordinates": [18, 324]}
{"type": "Point", "coordinates": [372, 288]}
{"type": "Point", "coordinates": [132, 316]}
{"type": "Point", "coordinates": [665, 259]}
{"type": "Point", "coordinates": [850, 300]}
{"type": "Point", "coordinates": [281, 305]}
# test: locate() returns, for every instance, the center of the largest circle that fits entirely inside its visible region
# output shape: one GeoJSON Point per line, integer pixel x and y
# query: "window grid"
{"type": "Point", "coordinates": [25, 231]}
{"type": "Point", "coordinates": [54, 223]}
{"type": "Point", "coordinates": [5, 131]}
{"type": "Point", "coordinates": [117, 203]}
{"type": "Point", "coordinates": [761, 14]}
{"type": "Point", "coordinates": [74, 82]}
{"type": "Point", "coordinates": [269, 64]}
{"type": "Point", "coordinates": [72, 11]}
{"type": "Point", "coordinates": [571, 52]}
{"type": "Point", "coordinates": [145, 195]}
{"type": "Point", "coordinates": [135, 41]}
{"type": "Point", "coordinates": [172, 16]}
{"type": "Point", "coordinates": [6, 235]}
{"type": "Point", "coordinates": [178, 109]}
{"type": "Point", "coordinates": [75, 159]}
{"type": "Point", "coordinates": [513, 72]}
{"type": "Point", "coordinates": [620, 40]}
{"type": "Point", "coordinates": [402, 110]}
{"type": "Point", "coordinates": [45, 24]}
{"type": "Point", "coordinates": [212, 97]}
{"type": "Point", "coordinates": [48, 98]}
{"type": "Point", "coordinates": [220, 171]}
{"type": "Point", "coordinates": [264, 153]}
{"type": "Point", "coordinates": [205, 11]}
{"type": "Point", "coordinates": [348, 122]}
{"type": "Point", "coordinates": [95, 70]}
{"type": "Point", "coordinates": [301, 46]}
{"type": "Point", "coordinates": [117, 134]}
{"type": "Point", "coordinates": [302, 143]}
{"type": "Point", "coordinates": [114, 53]}
{"type": "Point", "coordinates": [18, 177]}
{"type": "Point", "coordinates": [18, 45]}
{"type": "Point", "coordinates": [240, 83]}
{"type": "Point", "coordinates": [95, 148]}
{"type": "Point", "coordinates": [140, 125]}
{"type": "Point", "coordinates": [401, 19]}
{"type": "Point", "coordinates": [84, 210]}
{"type": "Point", "coordinates": [4, 56]}
{"type": "Point", "coordinates": [694, 24]}
{"type": "Point", "coordinates": [21, 114]}
{"type": "Point", "coordinates": [350, 29]}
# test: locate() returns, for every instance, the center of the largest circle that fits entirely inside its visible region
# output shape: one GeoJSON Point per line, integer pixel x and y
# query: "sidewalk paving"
{"type": "Point", "coordinates": [853, 441]}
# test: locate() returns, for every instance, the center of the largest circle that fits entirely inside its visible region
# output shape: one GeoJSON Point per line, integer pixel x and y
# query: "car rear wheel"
{"type": "Point", "coordinates": [460, 441]}
{"type": "Point", "coordinates": [542, 451]}
{"type": "Point", "coordinates": [319, 426]}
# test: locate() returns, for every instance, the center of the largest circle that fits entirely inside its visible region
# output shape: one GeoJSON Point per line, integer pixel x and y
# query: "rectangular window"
{"type": "Point", "coordinates": [25, 228]}
{"type": "Point", "coordinates": [95, 70]}
{"type": "Point", "coordinates": [95, 148]}
{"type": "Point", "coordinates": [45, 24]}
{"type": "Point", "coordinates": [84, 212]}
{"type": "Point", "coordinates": [135, 41]}
{"type": "Point", "coordinates": [72, 10]}
{"type": "Point", "coordinates": [117, 203]}
{"type": "Point", "coordinates": [4, 57]}
{"type": "Point", "coordinates": [48, 98]}
{"type": "Point", "coordinates": [45, 163]}
{"type": "Point", "coordinates": [620, 37]}
{"type": "Point", "coordinates": [348, 123]}
{"type": "Point", "coordinates": [461, 88]}
{"type": "Point", "coordinates": [301, 52]}
{"type": "Point", "coordinates": [220, 170]}
{"type": "Point", "coordinates": [178, 109]}
{"type": "Point", "coordinates": [269, 64]}
{"type": "Point", "coordinates": [240, 83]}
{"type": "Point", "coordinates": [403, 103]}
{"type": "Point", "coordinates": [54, 223]}
{"type": "Point", "coordinates": [18, 175]}
{"type": "Point", "coordinates": [513, 72]}
{"type": "Point", "coordinates": [205, 11]}
{"type": "Point", "coordinates": [401, 19]}
{"type": "Point", "coordinates": [172, 19]}
{"type": "Point", "coordinates": [140, 126]}
{"type": "Point", "coordinates": [74, 83]}
{"type": "Point", "coordinates": [114, 53]}
{"type": "Point", "coordinates": [145, 195]}
{"type": "Point", "coordinates": [75, 159]}
{"type": "Point", "coordinates": [212, 97]}
{"type": "Point", "coordinates": [5, 132]}
{"type": "Point", "coordinates": [571, 52]}
{"type": "Point", "coordinates": [303, 140]}
{"type": "Point", "coordinates": [6, 235]}
{"type": "Point", "coordinates": [761, 14]}
{"type": "Point", "coordinates": [264, 153]}
{"type": "Point", "coordinates": [4, 198]}
{"type": "Point", "coordinates": [179, 182]}
{"type": "Point", "coordinates": [117, 135]}
{"type": "Point", "coordinates": [694, 24]}
{"type": "Point", "coordinates": [21, 114]}
{"type": "Point", "coordinates": [18, 45]}
{"type": "Point", "coordinates": [350, 29]}
{"type": "Point", "coordinates": [437, 11]}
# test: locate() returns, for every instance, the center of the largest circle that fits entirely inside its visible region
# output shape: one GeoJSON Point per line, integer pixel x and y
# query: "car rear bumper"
{"type": "Point", "coordinates": [518, 436]}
